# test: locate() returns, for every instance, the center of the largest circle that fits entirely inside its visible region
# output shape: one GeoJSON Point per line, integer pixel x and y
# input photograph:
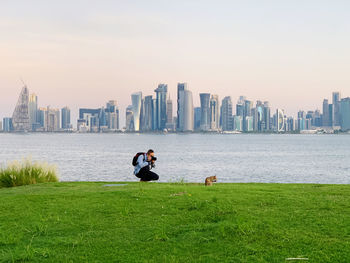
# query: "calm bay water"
{"type": "Point", "coordinates": [191, 157]}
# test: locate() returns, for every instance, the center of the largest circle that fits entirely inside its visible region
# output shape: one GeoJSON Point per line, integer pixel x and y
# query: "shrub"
{"type": "Point", "coordinates": [27, 172]}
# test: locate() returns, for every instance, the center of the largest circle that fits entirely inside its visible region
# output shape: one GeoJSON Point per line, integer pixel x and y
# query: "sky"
{"type": "Point", "coordinates": [83, 53]}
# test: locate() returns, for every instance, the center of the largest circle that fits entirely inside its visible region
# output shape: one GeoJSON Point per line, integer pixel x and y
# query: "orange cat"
{"type": "Point", "coordinates": [209, 180]}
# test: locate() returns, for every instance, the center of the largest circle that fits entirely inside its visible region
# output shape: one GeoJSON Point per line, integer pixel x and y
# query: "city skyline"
{"type": "Point", "coordinates": [82, 54]}
{"type": "Point", "coordinates": [146, 113]}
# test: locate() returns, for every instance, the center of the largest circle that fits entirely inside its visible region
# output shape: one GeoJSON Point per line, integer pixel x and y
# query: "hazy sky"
{"type": "Point", "coordinates": [83, 53]}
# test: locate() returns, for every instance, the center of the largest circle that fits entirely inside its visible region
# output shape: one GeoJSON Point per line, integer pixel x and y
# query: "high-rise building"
{"type": "Point", "coordinates": [240, 106]}
{"type": "Point", "coordinates": [147, 116]}
{"type": "Point", "coordinates": [33, 109]}
{"type": "Point", "coordinates": [345, 114]}
{"type": "Point", "coordinates": [325, 113]}
{"type": "Point", "coordinates": [180, 105]}
{"type": "Point", "coordinates": [238, 123]}
{"type": "Point", "coordinates": [205, 111]}
{"type": "Point", "coordinates": [0, 125]}
{"type": "Point", "coordinates": [161, 97]}
{"type": "Point", "coordinates": [197, 118]}
{"type": "Point", "coordinates": [52, 120]}
{"type": "Point", "coordinates": [267, 116]}
{"type": "Point", "coordinates": [280, 125]}
{"type": "Point", "coordinates": [112, 112]}
{"type": "Point", "coordinates": [154, 115]}
{"type": "Point", "coordinates": [136, 99]}
{"type": "Point", "coordinates": [129, 118]}
{"type": "Point", "coordinates": [91, 117]}
{"type": "Point", "coordinates": [185, 116]}
{"type": "Point", "coordinates": [336, 108]}
{"type": "Point", "coordinates": [20, 117]}
{"type": "Point", "coordinates": [247, 112]}
{"type": "Point", "coordinates": [65, 117]}
{"type": "Point", "coordinates": [258, 116]}
{"type": "Point", "coordinates": [170, 125]}
{"type": "Point", "coordinates": [226, 114]}
{"type": "Point", "coordinates": [7, 125]}
{"type": "Point", "coordinates": [214, 112]}
{"type": "Point", "coordinates": [249, 123]}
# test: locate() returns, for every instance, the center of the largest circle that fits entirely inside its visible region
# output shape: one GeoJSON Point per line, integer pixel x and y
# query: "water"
{"type": "Point", "coordinates": [191, 157]}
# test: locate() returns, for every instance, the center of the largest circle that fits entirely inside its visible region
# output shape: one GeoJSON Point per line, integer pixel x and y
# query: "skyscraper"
{"type": "Point", "coordinates": [52, 120]}
{"type": "Point", "coordinates": [65, 116]}
{"type": "Point", "coordinates": [280, 125]}
{"type": "Point", "coordinates": [7, 125]}
{"type": "Point", "coordinates": [129, 119]}
{"type": "Point", "coordinates": [226, 114]}
{"type": "Point", "coordinates": [112, 112]}
{"type": "Point", "coordinates": [205, 111]}
{"type": "Point", "coordinates": [180, 105]}
{"type": "Point", "coordinates": [336, 108]}
{"type": "Point", "coordinates": [185, 108]}
{"type": "Point", "coordinates": [345, 114]}
{"type": "Point", "coordinates": [246, 113]}
{"type": "Point", "coordinates": [267, 116]}
{"type": "Point", "coordinates": [169, 114]}
{"type": "Point", "coordinates": [325, 113]}
{"type": "Point", "coordinates": [20, 117]}
{"type": "Point", "coordinates": [188, 111]}
{"type": "Point", "coordinates": [136, 99]}
{"type": "Point", "coordinates": [161, 96]}
{"type": "Point", "coordinates": [147, 116]}
{"type": "Point", "coordinates": [197, 118]}
{"type": "Point", "coordinates": [33, 109]}
{"type": "Point", "coordinates": [214, 112]}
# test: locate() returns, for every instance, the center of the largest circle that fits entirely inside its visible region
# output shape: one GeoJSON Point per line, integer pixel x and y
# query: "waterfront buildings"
{"type": "Point", "coordinates": [161, 106]}
{"type": "Point", "coordinates": [185, 118]}
{"type": "Point", "coordinates": [33, 110]}
{"type": "Point", "coordinates": [214, 113]}
{"type": "Point", "coordinates": [156, 114]}
{"type": "Point", "coordinates": [197, 118]}
{"type": "Point", "coordinates": [7, 124]}
{"type": "Point", "coordinates": [345, 114]}
{"type": "Point", "coordinates": [20, 117]}
{"type": "Point", "coordinates": [147, 124]}
{"type": "Point", "coordinates": [65, 117]}
{"type": "Point", "coordinates": [226, 114]}
{"type": "Point", "coordinates": [205, 111]}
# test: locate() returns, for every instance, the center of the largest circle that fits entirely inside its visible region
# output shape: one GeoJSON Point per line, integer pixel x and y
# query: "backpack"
{"type": "Point", "coordinates": [134, 160]}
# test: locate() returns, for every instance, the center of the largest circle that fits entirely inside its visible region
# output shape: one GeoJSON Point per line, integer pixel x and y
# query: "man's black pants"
{"type": "Point", "coordinates": [146, 175]}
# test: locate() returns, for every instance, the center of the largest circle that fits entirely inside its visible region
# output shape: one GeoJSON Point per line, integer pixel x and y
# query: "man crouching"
{"type": "Point", "coordinates": [143, 163]}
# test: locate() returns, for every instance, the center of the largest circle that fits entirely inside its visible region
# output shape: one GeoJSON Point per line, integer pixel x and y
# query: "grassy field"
{"type": "Point", "coordinates": [155, 222]}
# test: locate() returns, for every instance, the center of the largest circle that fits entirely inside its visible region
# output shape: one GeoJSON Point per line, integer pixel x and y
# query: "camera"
{"type": "Point", "coordinates": [154, 158]}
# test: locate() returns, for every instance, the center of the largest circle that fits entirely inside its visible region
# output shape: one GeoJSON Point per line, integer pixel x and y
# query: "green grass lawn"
{"type": "Point", "coordinates": [156, 222]}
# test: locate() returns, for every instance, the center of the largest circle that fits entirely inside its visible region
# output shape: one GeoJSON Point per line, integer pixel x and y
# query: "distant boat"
{"type": "Point", "coordinates": [231, 132]}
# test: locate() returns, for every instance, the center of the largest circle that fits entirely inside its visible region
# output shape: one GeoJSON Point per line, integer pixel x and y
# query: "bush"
{"type": "Point", "coordinates": [27, 172]}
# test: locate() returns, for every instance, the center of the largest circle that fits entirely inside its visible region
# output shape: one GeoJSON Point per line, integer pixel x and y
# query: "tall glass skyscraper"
{"type": "Point", "coordinates": [325, 113]}
{"type": "Point", "coordinates": [136, 99]}
{"type": "Point", "coordinates": [65, 118]}
{"type": "Point", "coordinates": [226, 114]}
{"type": "Point", "coordinates": [161, 96]}
{"type": "Point", "coordinates": [345, 114]}
{"type": "Point", "coordinates": [147, 117]}
{"type": "Point", "coordinates": [336, 108]}
{"type": "Point", "coordinates": [205, 111]}
{"type": "Point", "coordinates": [33, 110]}
{"type": "Point", "coordinates": [214, 113]}
{"type": "Point", "coordinates": [180, 105]}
